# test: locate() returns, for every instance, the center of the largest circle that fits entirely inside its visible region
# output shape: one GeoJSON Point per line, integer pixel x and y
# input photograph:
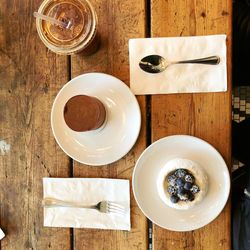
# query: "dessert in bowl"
{"type": "Point", "coordinates": [84, 113]}
{"type": "Point", "coordinates": [182, 183]}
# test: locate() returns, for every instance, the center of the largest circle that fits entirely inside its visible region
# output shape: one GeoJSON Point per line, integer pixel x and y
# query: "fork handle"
{"type": "Point", "coordinates": [211, 60]}
{"type": "Point", "coordinates": [51, 202]}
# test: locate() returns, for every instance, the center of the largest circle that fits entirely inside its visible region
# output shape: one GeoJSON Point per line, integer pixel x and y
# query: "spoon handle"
{"type": "Point", "coordinates": [211, 60]}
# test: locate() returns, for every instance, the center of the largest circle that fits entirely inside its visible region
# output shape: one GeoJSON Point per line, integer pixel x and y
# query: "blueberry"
{"type": "Point", "coordinates": [195, 189]}
{"type": "Point", "coordinates": [181, 191]}
{"type": "Point", "coordinates": [174, 198]}
{"type": "Point", "coordinates": [190, 196]}
{"type": "Point", "coordinates": [172, 190]}
{"type": "Point", "coordinates": [189, 178]}
{"type": "Point", "coordinates": [171, 179]}
{"type": "Point", "coordinates": [187, 186]}
{"type": "Point", "coordinates": [180, 172]}
{"type": "Point", "coordinates": [180, 182]}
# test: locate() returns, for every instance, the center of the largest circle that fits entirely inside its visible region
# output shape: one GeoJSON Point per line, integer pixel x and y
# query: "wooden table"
{"type": "Point", "coordinates": [31, 76]}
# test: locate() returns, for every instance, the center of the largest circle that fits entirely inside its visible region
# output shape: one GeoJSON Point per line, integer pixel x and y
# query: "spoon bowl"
{"type": "Point", "coordinates": [156, 63]}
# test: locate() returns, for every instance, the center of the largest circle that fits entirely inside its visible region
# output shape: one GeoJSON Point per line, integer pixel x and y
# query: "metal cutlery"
{"type": "Point", "coordinates": [102, 206]}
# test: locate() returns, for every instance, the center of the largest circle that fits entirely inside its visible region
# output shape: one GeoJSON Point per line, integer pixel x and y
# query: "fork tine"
{"type": "Point", "coordinates": [116, 209]}
{"type": "Point", "coordinates": [112, 210]}
{"type": "Point", "coordinates": [110, 203]}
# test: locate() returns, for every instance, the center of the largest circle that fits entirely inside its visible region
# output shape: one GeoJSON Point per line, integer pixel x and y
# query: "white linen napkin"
{"type": "Point", "coordinates": [1, 234]}
{"type": "Point", "coordinates": [87, 191]}
{"type": "Point", "coordinates": [179, 78]}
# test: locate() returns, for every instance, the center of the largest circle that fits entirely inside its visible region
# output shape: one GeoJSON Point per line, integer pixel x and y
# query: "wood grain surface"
{"type": "Point", "coordinates": [30, 77]}
{"type": "Point", "coordinates": [118, 22]}
{"type": "Point", "coordinates": [207, 116]}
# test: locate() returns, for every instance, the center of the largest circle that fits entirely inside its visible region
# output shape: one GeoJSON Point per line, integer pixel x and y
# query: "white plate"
{"type": "Point", "coordinates": [148, 167]}
{"type": "Point", "coordinates": [122, 127]}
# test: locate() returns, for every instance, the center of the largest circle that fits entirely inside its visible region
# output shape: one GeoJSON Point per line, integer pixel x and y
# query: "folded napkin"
{"type": "Point", "coordinates": [1, 234]}
{"type": "Point", "coordinates": [87, 191]}
{"type": "Point", "coordinates": [179, 78]}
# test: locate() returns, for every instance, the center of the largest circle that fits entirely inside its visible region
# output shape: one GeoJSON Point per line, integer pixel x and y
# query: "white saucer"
{"type": "Point", "coordinates": [121, 129]}
{"type": "Point", "coordinates": [147, 170]}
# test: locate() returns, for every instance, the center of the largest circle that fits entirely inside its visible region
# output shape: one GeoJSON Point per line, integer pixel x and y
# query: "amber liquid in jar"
{"type": "Point", "coordinates": [82, 31]}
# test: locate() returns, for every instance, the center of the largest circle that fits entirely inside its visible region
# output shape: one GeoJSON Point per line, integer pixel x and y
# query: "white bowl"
{"type": "Point", "coordinates": [147, 170]}
{"type": "Point", "coordinates": [122, 127]}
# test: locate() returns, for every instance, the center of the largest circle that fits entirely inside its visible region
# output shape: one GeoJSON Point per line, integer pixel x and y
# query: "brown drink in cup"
{"type": "Point", "coordinates": [81, 33]}
{"type": "Point", "coordinates": [84, 113]}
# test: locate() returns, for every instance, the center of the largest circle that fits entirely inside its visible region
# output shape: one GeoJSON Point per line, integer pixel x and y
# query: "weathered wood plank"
{"type": "Point", "coordinates": [118, 21]}
{"type": "Point", "coordinates": [207, 116]}
{"type": "Point", "coordinates": [30, 77]}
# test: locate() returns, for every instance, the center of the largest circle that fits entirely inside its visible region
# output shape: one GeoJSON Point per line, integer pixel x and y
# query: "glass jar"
{"type": "Point", "coordinates": [81, 34]}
